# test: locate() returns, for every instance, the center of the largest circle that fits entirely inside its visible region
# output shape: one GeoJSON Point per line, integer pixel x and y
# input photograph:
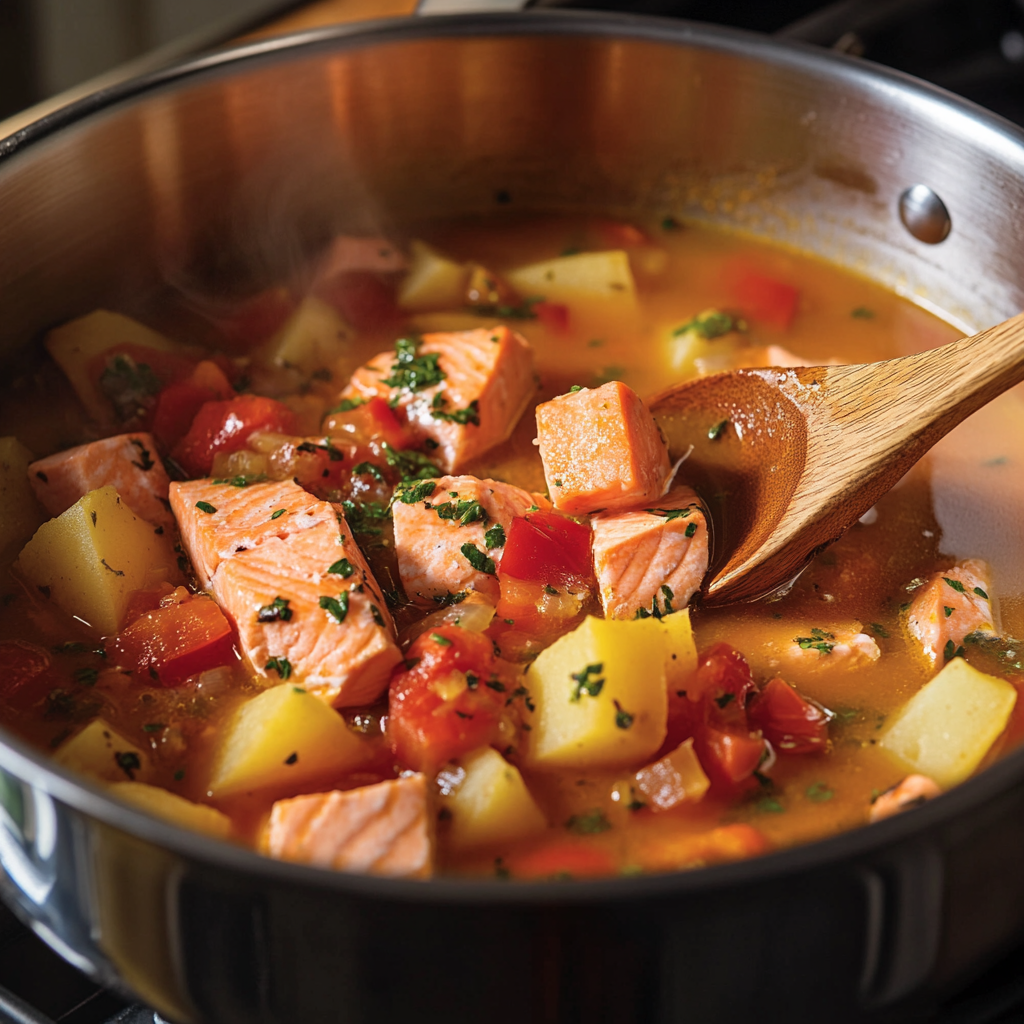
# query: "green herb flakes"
{"type": "Point", "coordinates": [587, 681]}
{"type": "Point", "coordinates": [819, 641]}
{"type": "Point", "coordinates": [819, 792]}
{"type": "Point", "coordinates": [342, 567]}
{"type": "Point", "coordinates": [336, 607]}
{"type": "Point", "coordinates": [494, 537]}
{"type": "Point", "coordinates": [368, 469]}
{"type": "Point", "coordinates": [282, 666]}
{"type": "Point", "coordinates": [205, 506]}
{"type": "Point", "coordinates": [623, 719]}
{"type": "Point", "coordinates": [277, 513]}
{"type": "Point", "coordinates": [590, 823]}
{"type": "Point", "coordinates": [415, 493]}
{"type": "Point", "coordinates": [956, 585]}
{"type": "Point", "coordinates": [411, 371]}
{"type": "Point", "coordinates": [439, 638]}
{"type": "Point", "coordinates": [709, 325]}
{"type": "Point", "coordinates": [478, 559]}
{"type": "Point", "coordinates": [276, 611]}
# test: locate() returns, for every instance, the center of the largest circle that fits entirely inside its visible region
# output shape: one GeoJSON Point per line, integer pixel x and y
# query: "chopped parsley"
{"type": "Point", "coordinates": [145, 462]}
{"type": "Point", "coordinates": [130, 386]}
{"type": "Point", "coordinates": [276, 611]}
{"type": "Point", "coordinates": [879, 630]}
{"type": "Point", "coordinates": [956, 585]}
{"type": "Point", "coordinates": [672, 513]}
{"type": "Point", "coordinates": [819, 641]}
{"type": "Point", "coordinates": [949, 611]}
{"type": "Point", "coordinates": [448, 598]}
{"type": "Point", "coordinates": [981, 593]}
{"type": "Point", "coordinates": [819, 792]}
{"type": "Point", "coordinates": [524, 311]}
{"type": "Point", "coordinates": [623, 719]}
{"type": "Point", "coordinates": [346, 405]}
{"type": "Point", "coordinates": [548, 589]}
{"type": "Point", "coordinates": [334, 454]}
{"type": "Point", "coordinates": [654, 611]}
{"type": "Point", "coordinates": [153, 727]}
{"type": "Point", "coordinates": [410, 465]}
{"type": "Point", "coordinates": [951, 651]}
{"type": "Point", "coordinates": [587, 681]}
{"type": "Point", "coordinates": [411, 371]}
{"type": "Point", "coordinates": [725, 699]}
{"type": "Point", "coordinates": [469, 415]}
{"type": "Point", "coordinates": [478, 559]}
{"type": "Point", "coordinates": [205, 506]}
{"type": "Point", "coordinates": [363, 516]}
{"type": "Point", "coordinates": [128, 761]}
{"type": "Point", "coordinates": [179, 775]}
{"type": "Point", "coordinates": [709, 325]}
{"type": "Point", "coordinates": [277, 513]}
{"type": "Point", "coordinates": [473, 681]}
{"type": "Point", "coordinates": [241, 481]}
{"type": "Point", "coordinates": [715, 432]}
{"type": "Point", "coordinates": [368, 469]}
{"type": "Point", "coordinates": [463, 511]}
{"type": "Point", "coordinates": [439, 638]}
{"type": "Point", "coordinates": [342, 567]}
{"type": "Point", "coordinates": [590, 823]}
{"type": "Point", "coordinates": [495, 684]}
{"type": "Point", "coordinates": [336, 607]}
{"type": "Point", "coordinates": [86, 676]}
{"type": "Point", "coordinates": [377, 617]}
{"type": "Point", "coordinates": [575, 388]}
{"type": "Point", "coordinates": [282, 666]}
{"type": "Point", "coordinates": [769, 805]}
{"type": "Point", "coordinates": [415, 493]}
{"type": "Point", "coordinates": [495, 537]}
{"type": "Point", "coordinates": [691, 529]}
{"type": "Point", "coordinates": [863, 313]}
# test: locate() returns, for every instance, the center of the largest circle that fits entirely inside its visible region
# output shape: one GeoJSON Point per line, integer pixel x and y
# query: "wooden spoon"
{"type": "Point", "coordinates": [788, 459]}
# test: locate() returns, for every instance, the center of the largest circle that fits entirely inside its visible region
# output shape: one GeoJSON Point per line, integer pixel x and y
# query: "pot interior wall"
{"type": "Point", "coordinates": [220, 181]}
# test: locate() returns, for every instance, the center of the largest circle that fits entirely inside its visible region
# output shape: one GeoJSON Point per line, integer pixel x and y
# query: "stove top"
{"type": "Point", "coordinates": [971, 47]}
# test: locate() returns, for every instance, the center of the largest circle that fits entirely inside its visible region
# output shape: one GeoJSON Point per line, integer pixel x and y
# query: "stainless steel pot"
{"type": "Point", "coordinates": [231, 170]}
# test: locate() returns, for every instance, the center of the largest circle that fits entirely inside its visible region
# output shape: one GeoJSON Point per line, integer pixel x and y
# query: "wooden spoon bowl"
{"type": "Point", "coordinates": [788, 459]}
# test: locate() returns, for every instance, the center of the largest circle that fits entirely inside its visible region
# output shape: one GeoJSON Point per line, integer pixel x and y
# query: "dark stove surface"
{"type": "Point", "coordinates": [972, 47]}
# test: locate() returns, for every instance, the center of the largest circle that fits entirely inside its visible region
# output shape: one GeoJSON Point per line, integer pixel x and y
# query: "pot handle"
{"type": "Point", "coordinates": [470, 6]}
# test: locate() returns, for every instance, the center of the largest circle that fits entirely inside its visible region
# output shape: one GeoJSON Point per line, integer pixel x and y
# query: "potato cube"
{"type": "Point", "coordinates": [312, 338]}
{"type": "Point", "coordinates": [76, 345]}
{"type": "Point", "coordinates": [433, 281]}
{"type": "Point", "coordinates": [946, 729]}
{"type": "Point", "coordinates": [98, 750]}
{"type": "Point", "coordinates": [680, 648]}
{"type": "Point", "coordinates": [674, 779]}
{"type": "Point", "coordinates": [171, 807]}
{"type": "Point", "coordinates": [488, 801]}
{"type": "Point", "coordinates": [600, 696]}
{"type": "Point", "coordinates": [280, 741]}
{"type": "Point", "coordinates": [706, 344]}
{"type": "Point", "coordinates": [20, 513]}
{"type": "Point", "coordinates": [583, 279]}
{"type": "Point", "coordinates": [90, 558]}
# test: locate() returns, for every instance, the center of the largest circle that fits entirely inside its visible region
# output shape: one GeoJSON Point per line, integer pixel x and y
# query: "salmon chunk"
{"type": "Point", "coordinates": [912, 791]}
{"type": "Point", "coordinates": [651, 559]}
{"type": "Point", "coordinates": [462, 391]}
{"type": "Point", "coordinates": [949, 606]}
{"type": "Point", "coordinates": [601, 450]}
{"type": "Point", "coordinates": [286, 569]}
{"type": "Point", "coordinates": [822, 646]}
{"type": "Point", "coordinates": [334, 629]}
{"type": "Point", "coordinates": [348, 253]}
{"type": "Point", "coordinates": [129, 463]}
{"type": "Point", "coordinates": [382, 829]}
{"type": "Point", "coordinates": [218, 520]}
{"type": "Point", "coordinates": [450, 540]}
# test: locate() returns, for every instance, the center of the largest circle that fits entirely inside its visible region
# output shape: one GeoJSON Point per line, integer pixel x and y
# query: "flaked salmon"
{"type": "Point", "coordinates": [449, 540]}
{"type": "Point", "coordinates": [822, 646]}
{"type": "Point", "coordinates": [949, 606]}
{"type": "Point", "coordinates": [651, 559]}
{"type": "Point", "coordinates": [218, 520]}
{"type": "Point", "coordinates": [601, 450]}
{"type": "Point", "coordinates": [383, 829]}
{"type": "Point", "coordinates": [287, 603]}
{"type": "Point", "coordinates": [286, 569]}
{"type": "Point", "coordinates": [128, 462]}
{"type": "Point", "coordinates": [910, 792]}
{"type": "Point", "coordinates": [462, 391]}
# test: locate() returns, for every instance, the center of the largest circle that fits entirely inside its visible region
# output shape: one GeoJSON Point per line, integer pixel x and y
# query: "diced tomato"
{"type": "Point", "coordinates": [553, 315]}
{"type": "Point", "coordinates": [546, 547]}
{"type": "Point", "coordinates": [256, 319]}
{"type": "Point", "coordinates": [142, 601]}
{"type": "Point", "coordinates": [448, 699]}
{"type": "Point", "coordinates": [385, 424]}
{"type": "Point", "coordinates": [617, 234]}
{"type": "Point", "coordinates": [26, 675]}
{"type": "Point", "coordinates": [362, 298]}
{"type": "Point", "coordinates": [762, 298]}
{"type": "Point", "coordinates": [736, 842]}
{"type": "Point", "coordinates": [170, 644]}
{"type": "Point", "coordinates": [728, 756]}
{"type": "Point", "coordinates": [532, 608]}
{"type": "Point", "coordinates": [225, 426]}
{"type": "Point", "coordinates": [563, 858]}
{"type": "Point", "coordinates": [178, 403]}
{"type": "Point", "coordinates": [792, 724]}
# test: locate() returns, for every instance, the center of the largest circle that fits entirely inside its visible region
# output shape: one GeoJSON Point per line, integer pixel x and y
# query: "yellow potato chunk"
{"type": "Point", "coordinates": [312, 338]}
{"type": "Point", "coordinates": [98, 750]}
{"type": "Point", "coordinates": [705, 344]}
{"type": "Point", "coordinates": [171, 807]}
{"type": "Point", "coordinates": [587, 277]}
{"type": "Point", "coordinates": [433, 281]}
{"type": "Point", "coordinates": [75, 345]}
{"type": "Point", "coordinates": [20, 513]}
{"type": "Point", "coordinates": [680, 648]}
{"type": "Point", "coordinates": [600, 696]}
{"type": "Point", "coordinates": [90, 558]}
{"type": "Point", "coordinates": [488, 801]}
{"type": "Point", "coordinates": [946, 729]}
{"type": "Point", "coordinates": [279, 741]}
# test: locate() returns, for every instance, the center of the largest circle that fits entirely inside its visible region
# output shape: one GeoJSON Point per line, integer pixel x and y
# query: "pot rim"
{"type": "Point", "coordinates": [88, 798]}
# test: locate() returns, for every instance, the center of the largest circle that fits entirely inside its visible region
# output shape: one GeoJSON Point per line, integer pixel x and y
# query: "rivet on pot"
{"type": "Point", "coordinates": [924, 215]}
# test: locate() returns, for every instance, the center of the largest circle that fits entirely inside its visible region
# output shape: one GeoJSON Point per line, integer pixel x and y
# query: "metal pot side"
{"type": "Point", "coordinates": [229, 173]}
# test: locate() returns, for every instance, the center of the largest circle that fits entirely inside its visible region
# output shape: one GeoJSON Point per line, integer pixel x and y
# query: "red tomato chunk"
{"type": "Point", "coordinates": [26, 676]}
{"type": "Point", "coordinates": [172, 643]}
{"type": "Point", "coordinates": [545, 547]}
{"type": "Point", "coordinates": [792, 724]}
{"type": "Point", "coordinates": [448, 699]}
{"type": "Point", "coordinates": [764, 299]}
{"type": "Point", "coordinates": [226, 426]}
